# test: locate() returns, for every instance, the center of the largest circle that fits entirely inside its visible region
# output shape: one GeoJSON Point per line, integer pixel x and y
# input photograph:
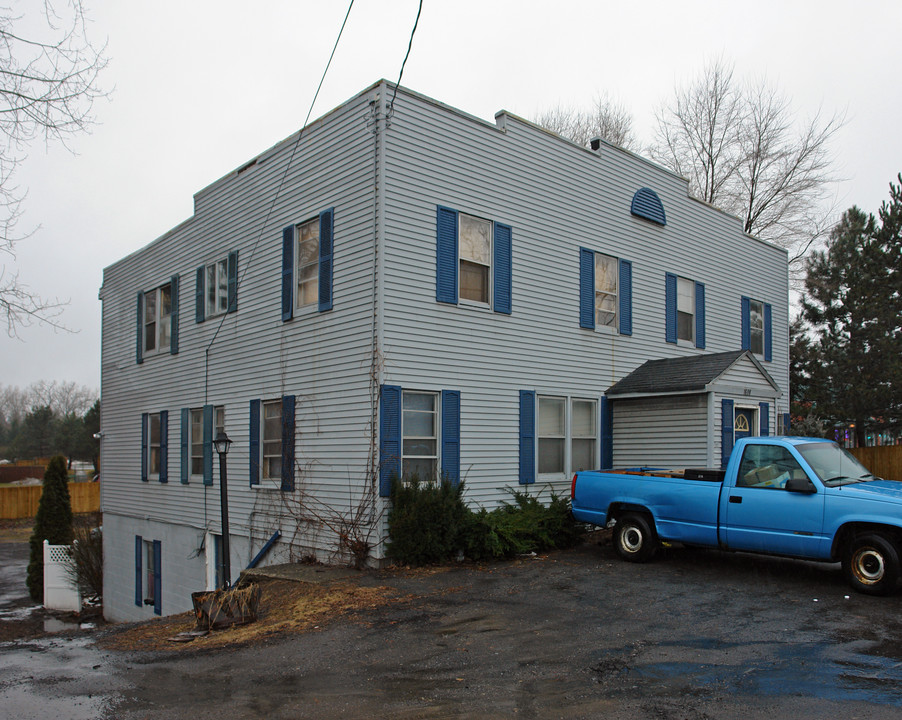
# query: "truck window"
{"type": "Point", "coordinates": [767, 466]}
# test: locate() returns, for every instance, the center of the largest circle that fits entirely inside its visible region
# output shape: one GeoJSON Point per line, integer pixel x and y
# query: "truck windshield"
{"type": "Point", "coordinates": [833, 465]}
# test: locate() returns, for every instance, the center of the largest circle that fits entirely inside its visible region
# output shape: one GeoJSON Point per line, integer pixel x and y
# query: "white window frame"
{"type": "Point", "coordinates": [310, 283]}
{"type": "Point", "coordinates": [685, 301]}
{"type": "Point", "coordinates": [461, 259]}
{"type": "Point", "coordinates": [601, 294]}
{"type": "Point", "coordinates": [216, 288]}
{"type": "Point", "coordinates": [154, 298]}
{"type": "Point", "coordinates": [154, 450]}
{"type": "Point", "coordinates": [266, 459]}
{"type": "Point", "coordinates": [196, 445]}
{"type": "Point", "coordinates": [755, 429]}
{"type": "Point", "coordinates": [568, 435]}
{"type": "Point", "coordinates": [756, 332]}
{"type": "Point", "coordinates": [591, 436]}
{"type": "Point", "coordinates": [434, 437]}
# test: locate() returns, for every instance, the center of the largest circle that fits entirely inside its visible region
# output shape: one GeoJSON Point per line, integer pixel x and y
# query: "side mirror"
{"type": "Point", "coordinates": [800, 485]}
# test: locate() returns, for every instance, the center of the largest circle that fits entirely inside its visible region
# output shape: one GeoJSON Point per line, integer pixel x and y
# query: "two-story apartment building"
{"type": "Point", "coordinates": [403, 287]}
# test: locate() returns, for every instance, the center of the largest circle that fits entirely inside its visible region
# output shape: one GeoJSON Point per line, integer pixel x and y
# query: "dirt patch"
{"type": "Point", "coordinates": [15, 531]}
{"type": "Point", "coordinates": [285, 607]}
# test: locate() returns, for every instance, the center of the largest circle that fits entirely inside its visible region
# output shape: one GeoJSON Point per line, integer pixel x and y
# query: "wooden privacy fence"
{"type": "Point", "coordinates": [22, 502]}
{"type": "Point", "coordinates": [884, 461]}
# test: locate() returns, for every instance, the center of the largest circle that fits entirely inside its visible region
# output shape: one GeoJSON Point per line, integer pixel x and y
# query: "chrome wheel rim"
{"type": "Point", "coordinates": [868, 566]}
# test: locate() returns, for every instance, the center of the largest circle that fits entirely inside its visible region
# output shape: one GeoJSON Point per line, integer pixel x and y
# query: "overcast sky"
{"type": "Point", "coordinates": [201, 86]}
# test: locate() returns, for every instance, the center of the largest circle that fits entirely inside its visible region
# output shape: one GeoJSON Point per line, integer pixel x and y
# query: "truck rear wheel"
{"type": "Point", "coordinates": [635, 539]}
{"type": "Point", "coordinates": [871, 564]}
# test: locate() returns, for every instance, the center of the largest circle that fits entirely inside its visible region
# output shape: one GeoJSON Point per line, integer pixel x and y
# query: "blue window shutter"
{"type": "Point", "coordinates": [208, 444]}
{"type": "Point", "coordinates": [145, 421]}
{"type": "Point", "coordinates": [254, 442]}
{"type": "Point", "coordinates": [586, 289]}
{"type": "Point", "coordinates": [746, 326]}
{"type": "Point", "coordinates": [700, 315]}
{"type": "Point", "coordinates": [326, 253]}
{"type": "Point", "coordinates": [164, 446]}
{"type": "Point", "coordinates": [503, 268]}
{"type": "Point", "coordinates": [527, 437]}
{"type": "Point", "coordinates": [287, 272]}
{"type": "Point", "coordinates": [670, 307]}
{"type": "Point", "coordinates": [199, 290]}
{"type": "Point", "coordinates": [157, 578]}
{"type": "Point", "coordinates": [764, 418]}
{"type": "Point", "coordinates": [174, 318]}
{"type": "Point", "coordinates": [139, 552]}
{"type": "Point", "coordinates": [184, 446]}
{"type": "Point", "coordinates": [787, 426]}
{"type": "Point", "coordinates": [140, 333]}
{"type": "Point", "coordinates": [451, 435]}
{"type": "Point", "coordinates": [768, 334]}
{"type": "Point", "coordinates": [233, 281]}
{"type": "Point", "coordinates": [607, 433]}
{"type": "Point", "coordinates": [389, 437]}
{"type": "Point", "coordinates": [726, 431]}
{"type": "Point", "coordinates": [446, 255]}
{"type": "Point", "coordinates": [288, 435]}
{"type": "Point", "coordinates": [626, 297]}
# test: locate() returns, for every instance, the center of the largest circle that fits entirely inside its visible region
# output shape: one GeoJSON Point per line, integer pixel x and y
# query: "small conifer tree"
{"type": "Point", "coordinates": [53, 523]}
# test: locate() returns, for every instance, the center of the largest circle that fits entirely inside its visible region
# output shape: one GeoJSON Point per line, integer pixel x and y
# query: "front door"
{"type": "Point", "coordinates": [743, 424]}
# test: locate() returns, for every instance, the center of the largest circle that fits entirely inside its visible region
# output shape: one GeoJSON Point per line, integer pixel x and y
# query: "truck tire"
{"type": "Point", "coordinates": [871, 564]}
{"type": "Point", "coordinates": [635, 539]}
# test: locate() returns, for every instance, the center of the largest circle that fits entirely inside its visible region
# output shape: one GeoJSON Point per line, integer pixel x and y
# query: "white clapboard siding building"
{"type": "Point", "coordinates": [402, 286]}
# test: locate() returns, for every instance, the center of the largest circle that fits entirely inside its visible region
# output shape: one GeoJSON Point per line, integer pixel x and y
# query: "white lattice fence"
{"type": "Point", "coordinates": [60, 592]}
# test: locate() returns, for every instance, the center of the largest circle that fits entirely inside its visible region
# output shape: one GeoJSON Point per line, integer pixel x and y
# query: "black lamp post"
{"type": "Point", "coordinates": [222, 444]}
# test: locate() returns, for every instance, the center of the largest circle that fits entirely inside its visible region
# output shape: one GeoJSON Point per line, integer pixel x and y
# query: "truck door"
{"type": "Point", "coordinates": [762, 516]}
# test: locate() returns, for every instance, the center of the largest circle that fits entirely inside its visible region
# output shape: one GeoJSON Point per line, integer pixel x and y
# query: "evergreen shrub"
{"type": "Point", "coordinates": [53, 522]}
{"type": "Point", "coordinates": [429, 522]}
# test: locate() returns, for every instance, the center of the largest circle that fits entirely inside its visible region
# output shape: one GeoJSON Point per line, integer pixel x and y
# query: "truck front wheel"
{"type": "Point", "coordinates": [634, 538]}
{"type": "Point", "coordinates": [871, 564]}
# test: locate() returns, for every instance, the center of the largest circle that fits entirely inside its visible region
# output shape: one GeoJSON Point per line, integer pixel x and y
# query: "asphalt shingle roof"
{"type": "Point", "coordinates": [683, 374]}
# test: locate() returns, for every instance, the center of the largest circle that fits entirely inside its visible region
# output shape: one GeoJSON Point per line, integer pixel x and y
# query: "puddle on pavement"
{"type": "Point", "coordinates": [794, 669]}
{"type": "Point", "coordinates": [55, 625]}
{"type": "Point", "coordinates": [54, 677]}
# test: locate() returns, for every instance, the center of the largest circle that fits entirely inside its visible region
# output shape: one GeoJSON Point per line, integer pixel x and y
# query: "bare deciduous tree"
{"type": "Point", "coordinates": [742, 150]}
{"type": "Point", "coordinates": [48, 84]}
{"type": "Point", "coordinates": [606, 119]}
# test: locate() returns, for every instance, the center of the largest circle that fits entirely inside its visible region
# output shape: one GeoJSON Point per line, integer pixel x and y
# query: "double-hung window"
{"type": "Point", "coordinates": [567, 431]}
{"type": "Point", "coordinates": [757, 332]}
{"type": "Point", "coordinates": [158, 320]}
{"type": "Point", "coordinates": [200, 426]}
{"type": "Point", "coordinates": [419, 431]}
{"type": "Point", "coordinates": [272, 436]}
{"type": "Point", "coordinates": [559, 435]}
{"type": "Point", "coordinates": [155, 446]}
{"type": "Point", "coordinates": [307, 260]}
{"type": "Point", "coordinates": [684, 310]}
{"type": "Point", "coordinates": [216, 291]}
{"type": "Point", "coordinates": [605, 292]}
{"type": "Point", "coordinates": [473, 261]}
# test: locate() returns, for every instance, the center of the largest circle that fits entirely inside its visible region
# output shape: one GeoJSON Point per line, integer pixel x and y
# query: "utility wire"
{"type": "Point", "coordinates": [391, 105]}
{"type": "Point", "coordinates": [282, 180]}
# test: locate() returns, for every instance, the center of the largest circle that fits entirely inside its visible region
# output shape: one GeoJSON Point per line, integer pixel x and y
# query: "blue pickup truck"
{"type": "Point", "coordinates": [790, 496]}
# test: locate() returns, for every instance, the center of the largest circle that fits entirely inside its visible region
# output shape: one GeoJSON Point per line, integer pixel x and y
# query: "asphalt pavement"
{"type": "Point", "coordinates": [693, 635]}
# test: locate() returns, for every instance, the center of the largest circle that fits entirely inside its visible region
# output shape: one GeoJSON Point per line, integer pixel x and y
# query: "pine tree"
{"type": "Point", "coordinates": [853, 305]}
{"type": "Point", "coordinates": [53, 523]}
